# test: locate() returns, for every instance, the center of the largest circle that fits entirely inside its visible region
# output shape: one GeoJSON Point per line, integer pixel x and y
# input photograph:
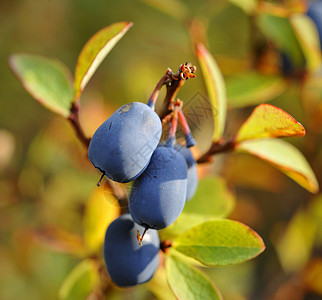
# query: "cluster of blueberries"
{"type": "Point", "coordinates": [127, 147]}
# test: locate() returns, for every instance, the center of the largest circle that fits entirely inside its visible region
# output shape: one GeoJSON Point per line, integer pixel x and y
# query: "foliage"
{"type": "Point", "coordinates": [201, 236]}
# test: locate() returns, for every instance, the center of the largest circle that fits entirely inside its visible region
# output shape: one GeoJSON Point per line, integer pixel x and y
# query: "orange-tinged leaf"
{"type": "Point", "coordinates": [94, 52]}
{"type": "Point", "coordinates": [216, 89]}
{"type": "Point", "coordinates": [308, 38]}
{"type": "Point", "coordinates": [285, 157]}
{"type": "Point", "coordinates": [101, 209]}
{"type": "Point", "coordinates": [269, 121]}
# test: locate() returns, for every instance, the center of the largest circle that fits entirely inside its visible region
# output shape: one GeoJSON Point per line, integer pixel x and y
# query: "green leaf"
{"type": "Point", "coordinates": [248, 6]}
{"type": "Point", "coordinates": [47, 80]}
{"type": "Point", "coordinates": [269, 121]}
{"type": "Point", "coordinates": [212, 199]}
{"type": "Point", "coordinates": [253, 88]}
{"type": "Point", "coordinates": [94, 52]}
{"type": "Point", "coordinates": [285, 157]}
{"type": "Point", "coordinates": [101, 209]}
{"type": "Point", "coordinates": [189, 283]}
{"type": "Point", "coordinates": [308, 38]}
{"type": "Point", "coordinates": [80, 282]}
{"type": "Point", "coordinates": [279, 30]}
{"type": "Point", "coordinates": [216, 89]}
{"type": "Point", "coordinates": [219, 243]}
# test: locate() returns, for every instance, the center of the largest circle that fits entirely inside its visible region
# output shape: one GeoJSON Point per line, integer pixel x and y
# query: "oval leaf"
{"type": "Point", "coordinates": [47, 80]}
{"type": "Point", "coordinates": [253, 88]}
{"type": "Point", "coordinates": [269, 121]}
{"type": "Point", "coordinates": [279, 30]}
{"type": "Point", "coordinates": [101, 209]}
{"type": "Point", "coordinates": [94, 52]}
{"type": "Point", "coordinates": [80, 282]}
{"type": "Point", "coordinates": [216, 89]}
{"type": "Point", "coordinates": [308, 37]}
{"type": "Point", "coordinates": [285, 157]}
{"type": "Point", "coordinates": [220, 242]}
{"type": "Point", "coordinates": [189, 283]}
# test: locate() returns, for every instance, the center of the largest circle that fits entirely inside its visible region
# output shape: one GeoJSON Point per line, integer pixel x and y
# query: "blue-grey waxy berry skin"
{"type": "Point", "coordinates": [122, 146]}
{"type": "Point", "coordinates": [315, 13]}
{"type": "Point", "coordinates": [128, 263]}
{"type": "Point", "coordinates": [158, 196]}
{"type": "Point", "coordinates": [193, 180]}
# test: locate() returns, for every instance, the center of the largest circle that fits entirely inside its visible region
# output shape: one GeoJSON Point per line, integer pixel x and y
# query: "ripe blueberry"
{"type": "Point", "coordinates": [158, 196]}
{"type": "Point", "coordinates": [122, 146]}
{"type": "Point", "coordinates": [315, 13]}
{"type": "Point", "coordinates": [127, 262]}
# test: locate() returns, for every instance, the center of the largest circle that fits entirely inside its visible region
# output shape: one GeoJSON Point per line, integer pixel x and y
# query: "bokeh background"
{"type": "Point", "coordinates": [46, 180]}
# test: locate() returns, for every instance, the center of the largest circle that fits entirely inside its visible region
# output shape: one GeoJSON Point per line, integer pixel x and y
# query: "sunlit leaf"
{"type": "Point", "coordinates": [248, 6]}
{"type": "Point", "coordinates": [312, 276]}
{"type": "Point", "coordinates": [187, 282]}
{"type": "Point", "coordinates": [47, 80]}
{"type": "Point", "coordinates": [80, 282]}
{"type": "Point", "coordinates": [173, 8]}
{"type": "Point", "coordinates": [101, 209]}
{"type": "Point", "coordinates": [308, 37]}
{"type": "Point", "coordinates": [279, 30]}
{"type": "Point", "coordinates": [253, 88]}
{"type": "Point", "coordinates": [298, 235]}
{"type": "Point", "coordinates": [219, 243]}
{"type": "Point", "coordinates": [285, 157]}
{"type": "Point", "coordinates": [216, 89]}
{"type": "Point", "coordinates": [94, 52]}
{"type": "Point", "coordinates": [269, 121]}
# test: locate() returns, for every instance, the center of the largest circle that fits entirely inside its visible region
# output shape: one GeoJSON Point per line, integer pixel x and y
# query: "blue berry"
{"type": "Point", "coordinates": [158, 196]}
{"type": "Point", "coordinates": [122, 146]}
{"type": "Point", "coordinates": [315, 13]}
{"type": "Point", "coordinates": [127, 262]}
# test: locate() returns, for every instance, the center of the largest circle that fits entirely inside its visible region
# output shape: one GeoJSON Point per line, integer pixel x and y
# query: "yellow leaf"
{"type": "Point", "coordinates": [269, 121]}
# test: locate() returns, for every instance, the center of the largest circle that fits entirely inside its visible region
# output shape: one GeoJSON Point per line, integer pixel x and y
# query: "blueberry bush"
{"type": "Point", "coordinates": [166, 217]}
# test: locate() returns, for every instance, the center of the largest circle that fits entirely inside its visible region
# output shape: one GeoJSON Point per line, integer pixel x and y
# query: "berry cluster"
{"type": "Point", "coordinates": [127, 147]}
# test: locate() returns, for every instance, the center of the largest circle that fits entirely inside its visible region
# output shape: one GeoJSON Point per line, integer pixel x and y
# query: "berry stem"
{"type": "Point", "coordinates": [186, 130]}
{"type": "Point", "coordinates": [173, 124]}
{"type": "Point", "coordinates": [139, 237]}
{"type": "Point", "coordinates": [100, 180]}
{"type": "Point", "coordinates": [165, 245]}
{"type": "Point", "coordinates": [158, 87]}
{"type": "Point", "coordinates": [175, 82]}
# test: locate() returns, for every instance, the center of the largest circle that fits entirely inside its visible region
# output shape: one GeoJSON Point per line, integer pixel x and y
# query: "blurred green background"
{"type": "Point", "coordinates": [46, 181]}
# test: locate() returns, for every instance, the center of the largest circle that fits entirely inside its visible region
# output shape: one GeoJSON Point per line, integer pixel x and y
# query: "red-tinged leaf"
{"type": "Point", "coordinates": [285, 157]}
{"type": "Point", "coordinates": [216, 89]}
{"type": "Point", "coordinates": [308, 38]}
{"type": "Point", "coordinates": [94, 52]}
{"type": "Point", "coordinates": [269, 121]}
{"type": "Point", "coordinates": [220, 243]}
{"type": "Point", "coordinates": [48, 80]}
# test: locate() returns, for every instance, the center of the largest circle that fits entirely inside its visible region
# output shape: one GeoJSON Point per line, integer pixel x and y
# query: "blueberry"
{"type": "Point", "coordinates": [158, 196]}
{"type": "Point", "coordinates": [315, 13]}
{"type": "Point", "coordinates": [127, 262]}
{"type": "Point", "coordinates": [193, 181]}
{"type": "Point", "coordinates": [122, 146]}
